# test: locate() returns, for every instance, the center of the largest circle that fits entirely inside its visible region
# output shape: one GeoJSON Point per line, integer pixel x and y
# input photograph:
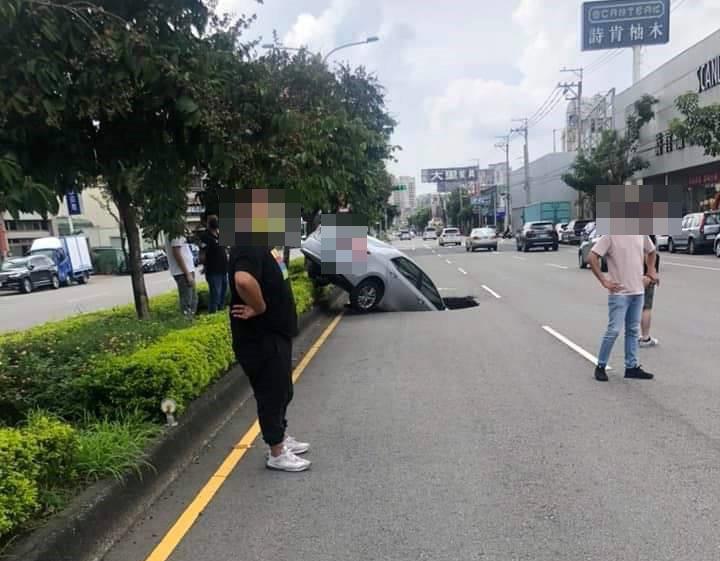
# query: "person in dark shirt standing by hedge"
{"type": "Point", "coordinates": [214, 259]}
{"type": "Point", "coordinates": [263, 323]}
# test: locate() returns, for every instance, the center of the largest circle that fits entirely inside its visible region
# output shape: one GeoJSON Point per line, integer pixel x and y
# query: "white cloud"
{"type": "Point", "coordinates": [317, 32]}
{"type": "Point", "coordinates": [457, 72]}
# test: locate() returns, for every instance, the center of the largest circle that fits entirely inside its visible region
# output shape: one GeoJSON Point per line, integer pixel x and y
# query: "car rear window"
{"type": "Point", "coordinates": [451, 231]}
{"type": "Point", "coordinates": [541, 226]}
{"type": "Point", "coordinates": [712, 219]}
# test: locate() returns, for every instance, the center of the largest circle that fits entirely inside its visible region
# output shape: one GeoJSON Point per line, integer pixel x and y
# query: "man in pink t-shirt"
{"type": "Point", "coordinates": [625, 283]}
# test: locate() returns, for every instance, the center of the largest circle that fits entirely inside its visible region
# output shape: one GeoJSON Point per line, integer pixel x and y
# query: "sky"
{"type": "Point", "coordinates": [456, 72]}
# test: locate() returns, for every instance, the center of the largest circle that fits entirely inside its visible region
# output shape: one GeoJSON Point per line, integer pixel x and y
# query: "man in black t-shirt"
{"type": "Point", "coordinates": [263, 322]}
{"type": "Point", "coordinates": [214, 259]}
{"type": "Point", "coordinates": [645, 339]}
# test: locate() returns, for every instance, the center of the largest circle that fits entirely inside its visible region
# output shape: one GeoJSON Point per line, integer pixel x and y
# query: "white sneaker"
{"type": "Point", "coordinates": [295, 446]}
{"type": "Point", "coordinates": [287, 461]}
{"type": "Point", "coordinates": [651, 342]}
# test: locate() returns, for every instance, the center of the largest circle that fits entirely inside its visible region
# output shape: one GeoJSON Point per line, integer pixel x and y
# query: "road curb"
{"type": "Point", "coordinates": [102, 514]}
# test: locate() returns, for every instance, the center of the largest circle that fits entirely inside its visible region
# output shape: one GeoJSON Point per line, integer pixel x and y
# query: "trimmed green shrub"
{"type": "Point", "coordinates": [33, 458]}
{"type": "Point", "coordinates": [179, 366]}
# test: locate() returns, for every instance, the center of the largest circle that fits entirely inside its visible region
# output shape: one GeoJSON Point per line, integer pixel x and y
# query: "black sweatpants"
{"type": "Point", "coordinates": [267, 362]}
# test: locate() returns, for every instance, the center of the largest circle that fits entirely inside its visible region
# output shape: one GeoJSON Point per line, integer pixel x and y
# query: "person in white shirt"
{"type": "Point", "coordinates": [182, 268]}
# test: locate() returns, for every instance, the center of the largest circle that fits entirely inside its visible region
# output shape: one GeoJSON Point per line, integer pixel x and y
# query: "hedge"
{"type": "Point", "coordinates": [179, 365]}
{"type": "Point", "coordinates": [33, 458]}
{"type": "Point", "coordinates": [51, 366]}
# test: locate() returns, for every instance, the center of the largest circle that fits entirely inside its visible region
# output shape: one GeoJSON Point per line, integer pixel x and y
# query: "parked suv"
{"type": "Point", "coordinates": [537, 234]}
{"type": "Point", "coordinates": [574, 230]}
{"type": "Point", "coordinates": [27, 273]}
{"type": "Point", "coordinates": [698, 232]}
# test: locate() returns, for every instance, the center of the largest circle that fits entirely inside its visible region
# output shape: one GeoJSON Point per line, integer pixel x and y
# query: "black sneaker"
{"type": "Point", "coordinates": [600, 375]}
{"type": "Point", "coordinates": [638, 373]}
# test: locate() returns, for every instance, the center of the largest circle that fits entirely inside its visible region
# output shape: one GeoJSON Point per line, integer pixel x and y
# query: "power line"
{"type": "Point", "coordinates": [554, 92]}
{"type": "Point", "coordinates": [548, 110]}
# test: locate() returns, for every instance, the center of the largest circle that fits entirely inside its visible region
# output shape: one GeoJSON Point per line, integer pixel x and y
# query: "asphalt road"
{"type": "Point", "coordinates": [20, 311]}
{"type": "Point", "coordinates": [481, 435]}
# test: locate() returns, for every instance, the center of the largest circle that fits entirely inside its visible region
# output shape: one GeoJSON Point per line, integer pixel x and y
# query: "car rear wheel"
{"type": "Point", "coordinates": [526, 247]}
{"type": "Point", "coordinates": [26, 286]}
{"type": "Point", "coordinates": [55, 282]}
{"type": "Point", "coordinates": [366, 296]}
{"type": "Point", "coordinates": [555, 247]}
{"type": "Point", "coordinates": [691, 247]}
{"type": "Point", "coordinates": [581, 261]}
{"type": "Point", "coordinates": [671, 246]}
{"type": "Point", "coordinates": [467, 248]}
{"type": "Point", "coordinates": [717, 248]}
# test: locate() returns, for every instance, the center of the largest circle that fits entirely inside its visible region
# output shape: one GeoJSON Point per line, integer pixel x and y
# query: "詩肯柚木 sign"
{"type": "Point", "coordinates": [614, 24]}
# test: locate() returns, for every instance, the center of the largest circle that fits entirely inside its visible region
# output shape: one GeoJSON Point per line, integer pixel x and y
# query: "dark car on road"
{"type": "Point", "coordinates": [697, 232]}
{"type": "Point", "coordinates": [537, 234]}
{"type": "Point", "coordinates": [154, 261]}
{"type": "Point", "coordinates": [27, 273]}
{"type": "Point", "coordinates": [573, 232]}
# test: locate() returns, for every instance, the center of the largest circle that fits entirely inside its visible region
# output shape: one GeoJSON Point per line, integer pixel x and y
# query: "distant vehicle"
{"type": "Point", "coordinates": [154, 261]}
{"type": "Point", "coordinates": [25, 274]}
{"type": "Point", "coordinates": [430, 233]}
{"type": "Point", "coordinates": [450, 236]}
{"type": "Point", "coordinates": [698, 232]}
{"type": "Point", "coordinates": [392, 281]}
{"type": "Point", "coordinates": [585, 248]}
{"type": "Point", "coordinates": [572, 233]}
{"type": "Point", "coordinates": [537, 234]}
{"type": "Point", "coordinates": [70, 254]}
{"type": "Point", "coordinates": [717, 245]}
{"type": "Point", "coordinates": [405, 235]}
{"type": "Point", "coordinates": [483, 238]}
{"type": "Point", "coordinates": [662, 242]}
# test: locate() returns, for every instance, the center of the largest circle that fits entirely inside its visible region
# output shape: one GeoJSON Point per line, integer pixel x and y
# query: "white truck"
{"type": "Point", "coordinates": [71, 254]}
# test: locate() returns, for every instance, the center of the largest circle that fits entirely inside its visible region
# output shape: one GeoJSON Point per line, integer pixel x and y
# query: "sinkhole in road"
{"type": "Point", "coordinates": [460, 302]}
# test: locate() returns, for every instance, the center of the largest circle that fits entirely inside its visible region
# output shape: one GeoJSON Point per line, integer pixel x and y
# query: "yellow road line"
{"type": "Point", "coordinates": [183, 524]}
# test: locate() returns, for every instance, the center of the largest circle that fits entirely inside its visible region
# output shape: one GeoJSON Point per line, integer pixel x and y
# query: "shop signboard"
{"type": "Point", "coordinates": [614, 24]}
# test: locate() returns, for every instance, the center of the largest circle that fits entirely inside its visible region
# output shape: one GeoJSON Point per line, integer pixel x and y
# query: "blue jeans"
{"type": "Point", "coordinates": [628, 310]}
{"type": "Point", "coordinates": [218, 285]}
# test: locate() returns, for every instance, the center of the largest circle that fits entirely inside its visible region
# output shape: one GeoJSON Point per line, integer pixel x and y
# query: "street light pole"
{"type": "Point", "coordinates": [371, 39]}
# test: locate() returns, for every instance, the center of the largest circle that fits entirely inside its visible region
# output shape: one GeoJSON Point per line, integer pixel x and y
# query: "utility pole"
{"type": "Point", "coordinates": [526, 156]}
{"type": "Point", "coordinates": [504, 144]}
{"type": "Point", "coordinates": [573, 91]}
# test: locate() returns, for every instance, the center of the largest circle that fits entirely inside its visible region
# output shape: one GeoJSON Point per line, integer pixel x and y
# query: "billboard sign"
{"type": "Point", "coordinates": [449, 175]}
{"type": "Point", "coordinates": [614, 24]}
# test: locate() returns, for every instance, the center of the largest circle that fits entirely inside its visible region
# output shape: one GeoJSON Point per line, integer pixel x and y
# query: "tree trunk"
{"type": "Point", "coordinates": [129, 220]}
{"type": "Point", "coordinates": [286, 255]}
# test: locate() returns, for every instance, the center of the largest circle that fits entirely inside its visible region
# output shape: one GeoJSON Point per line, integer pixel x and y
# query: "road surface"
{"type": "Point", "coordinates": [481, 434]}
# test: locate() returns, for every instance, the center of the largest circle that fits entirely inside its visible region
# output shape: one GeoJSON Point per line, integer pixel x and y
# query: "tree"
{"type": "Point", "coordinates": [459, 210]}
{"type": "Point", "coordinates": [420, 218]}
{"type": "Point", "coordinates": [700, 125]}
{"type": "Point", "coordinates": [614, 159]}
{"type": "Point", "coordinates": [118, 91]}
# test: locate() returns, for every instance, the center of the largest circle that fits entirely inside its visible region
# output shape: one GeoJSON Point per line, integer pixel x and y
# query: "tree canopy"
{"type": "Point", "coordinates": [614, 159]}
{"type": "Point", "coordinates": [700, 126]}
{"type": "Point", "coordinates": [141, 97]}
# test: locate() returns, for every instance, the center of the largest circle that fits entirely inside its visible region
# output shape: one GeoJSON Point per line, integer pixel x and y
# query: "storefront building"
{"type": "Point", "coordinates": [671, 161]}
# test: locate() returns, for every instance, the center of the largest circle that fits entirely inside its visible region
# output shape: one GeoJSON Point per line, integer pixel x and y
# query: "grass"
{"type": "Point", "coordinates": [113, 448]}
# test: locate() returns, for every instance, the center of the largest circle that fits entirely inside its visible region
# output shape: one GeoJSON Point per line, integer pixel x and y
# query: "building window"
{"type": "Point", "coordinates": [679, 143]}
{"type": "Point", "coordinates": [659, 144]}
{"type": "Point", "coordinates": [668, 142]}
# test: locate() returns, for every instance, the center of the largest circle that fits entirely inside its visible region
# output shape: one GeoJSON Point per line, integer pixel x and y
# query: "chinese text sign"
{"type": "Point", "coordinates": [613, 24]}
